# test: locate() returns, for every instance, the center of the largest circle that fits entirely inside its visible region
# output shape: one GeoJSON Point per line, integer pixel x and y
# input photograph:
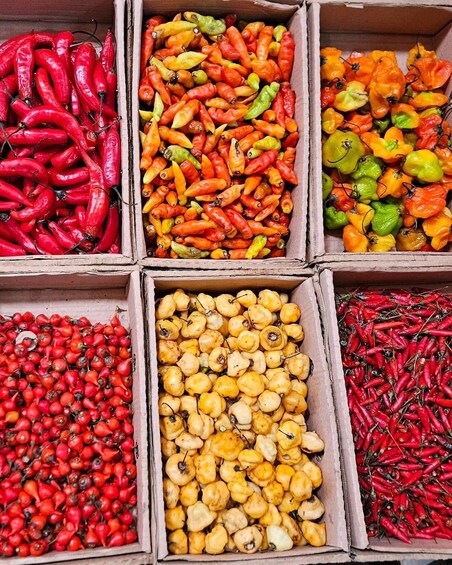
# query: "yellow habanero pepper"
{"type": "Point", "coordinates": [354, 240]}
{"type": "Point", "coordinates": [391, 148]}
{"type": "Point", "coordinates": [360, 217]}
{"type": "Point", "coordinates": [331, 120]}
{"type": "Point", "coordinates": [439, 228]}
{"type": "Point", "coordinates": [381, 243]}
{"type": "Point", "coordinates": [409, 239]}
{"type": "Point", "coordinates": [331, 66]}
{"type": "Point", "coordinates": [392, 183]}
{"type": "Point", "coordinates": [386, 86]}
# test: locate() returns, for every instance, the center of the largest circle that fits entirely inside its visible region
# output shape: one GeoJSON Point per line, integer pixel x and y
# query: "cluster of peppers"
{"type": "Point", "coordinates": [60, 153]}
{"type": "Point", "coordinates": [218, 137]}
{"type": "Point", "coordinates": [386, 156]}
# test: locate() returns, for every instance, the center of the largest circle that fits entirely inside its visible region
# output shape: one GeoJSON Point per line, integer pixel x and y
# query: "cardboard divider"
{"type": "Point", "coordinates": [321, 413]}
{"type": "Point", "coordinates": [364, 26]}
{"type": "Point", "coordinates": [16, 18]}
{"type": "Point", "coordinates": [347, 277]}
{"type": "Point", "coordinates": [273, 12]}
{"type": "Point", "coordinates": [96, 296]}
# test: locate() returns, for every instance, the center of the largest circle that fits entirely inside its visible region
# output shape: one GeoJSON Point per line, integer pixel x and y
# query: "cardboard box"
{"type": "Point", "coordinates": [365, 26]}
{"type": "Point", "coordinates": [95, 295]}
{"type": "Point", "coordinates": [321, 414]}
{"type": "Point", "coordinates": [346, 277]}
{"type": "Point", "coordinates": [94, 17]}
{"type": "Point", "coordinates": [248, 10]}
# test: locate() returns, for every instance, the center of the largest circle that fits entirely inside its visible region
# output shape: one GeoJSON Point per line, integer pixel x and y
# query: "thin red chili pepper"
{"type": "Point", "coordinates": [52, 63]}
{"type": "Point", "coordinates": [99, 199]}
{"type": "Point", "coordinates": [23, 68]}
{"type": "Point", "coordinates": [111, 230]}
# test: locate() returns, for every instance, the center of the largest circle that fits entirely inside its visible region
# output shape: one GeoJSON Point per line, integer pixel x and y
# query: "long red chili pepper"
{"type": "Point", "coordinates": [45, 89]}
{"type": "Point", "coordinates": [111, 158]}
{"type": "Point", "coordinates": [8, 249]}
{"type": "Point", "coordinates": [99, 199]}
{"type": "Point", "coordinates": [42, 209]}
{"type": "Point", "coordinates": [84, 63]}
{"type": "Point", "coordinates": [24, 167]}
{"type": "Point", "coordinates": [17, 234]}
{"type": "Point", "coordinates": [60, 118]}
{"type": "Point", "coordinates": [111, 230]}
{"type": "Point", "coordinates": [8, 88]}
{"type": "Point", "coordinates": [23, 68]}
{"type": "Point", "coordinates": [51, 62]}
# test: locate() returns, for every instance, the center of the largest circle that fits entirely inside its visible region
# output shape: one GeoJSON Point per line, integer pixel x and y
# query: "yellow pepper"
{"type": "Point", "coordinates": [392, 183]}
{"type": "Point", "coordinates": [428, 100]}
{"type": "Point", "coordinates": [171, 28]}
{"type": "Point", "coordinates": [391, 148]}
{"type": "Point", "coordinates": [331, 120]}
{"type": "Point", "coordinates": [331, 66]}
{"type": "Point", "coordinates": [381, 243]}
{"type": "Point", "coordinates": [439, 228]}
{"type": "Point", "coordinates": [354, 240]}
{"type": "Point", "coordinates": [360, 217]}
{"type": "Point", "coordinates": [354, 96]}
{"type": "Point", "coordinates": [444, 155]}
{"type": "Point", "coordinates": [378, 55]}
{"type": "Point", "coordinates": [409, 239]}
{"type": "Point", "coordinates": [186, 61]}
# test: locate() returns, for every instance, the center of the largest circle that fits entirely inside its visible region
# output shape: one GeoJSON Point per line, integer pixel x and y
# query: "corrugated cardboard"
{"type": "Point", "coordinates": [249, 10]}
{"type": "Point", "coordinates": [96, 296]}
{"type": "Point", "coordinates": [15, 18]}
{"type": "Point", "coordinates": [348, 276]}
{"type": "Point", "coordinates": [321, 414]}
{"type": "Point", "coordinates": [365, 26]}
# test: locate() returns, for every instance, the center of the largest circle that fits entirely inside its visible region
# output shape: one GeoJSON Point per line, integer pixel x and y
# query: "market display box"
{"type": "Point", "coordinates": [342, 277]}
{"type": "Point", "coordinates": [364, 26]}
{"type": "Point", "coordinates": [250, 10]}
{"type": "Point", "coordinates": [96, 18]}
{"type": "Point", "coordinates": [320, 403]}
{"type": "Point", "coordinates": [98, 296]}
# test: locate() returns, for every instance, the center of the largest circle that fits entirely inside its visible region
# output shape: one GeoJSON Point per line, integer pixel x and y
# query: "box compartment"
{"type": "Point", "coordinates": [93, 17]}
{"type": "Point", "coordinates": [321, 414]}
{"type": "Point", "coordinates": [248, 10]}
{"type": "Point", "coordinates": [96, 295]}
{"type": "Point", "coordinates": [343, 277]}
{"type": "Point", "coordinates": [366, 26]}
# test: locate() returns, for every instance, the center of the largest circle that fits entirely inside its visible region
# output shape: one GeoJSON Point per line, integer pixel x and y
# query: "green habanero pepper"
{"type": "Point", "coordinates": [397, 227]}
{"type": "Point", "coordinates": [342, 150]}
{"type": "Point", "coordinates": [424, 165]}
{"type": "Point", "coordinates": [263, 101]}
{"type": "Point", "coordinates": [386, 219]}
{"type": "Point", "coordinates": [327, 185]}
{"type": "Point", "coordinates": [185, 252]}
{"type": "Point", "coordinates": [259, 242]}
{"type": "Point", "coordinates": [335, 219]}
{"type": "Point", "coordinates": [368, 166]}
{"type": "Point", "coordinates": [268, 142]}
{"type": "Point", "coordinates": [366, 187]}
{"type": "Point", "coordinates": [206, 24]}
{"type": "Point", "coordinates": [381, 125]}
{"type": "Point", "coordinates": [353, 97]}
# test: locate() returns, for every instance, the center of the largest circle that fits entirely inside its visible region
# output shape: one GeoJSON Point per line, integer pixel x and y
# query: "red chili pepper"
{"type": "Point", "coordinates": [52, 63]}
{"type": "Point", "coordinates": [11, 230]}
{"type": "Point", "coordinates": [286, 55]}
{"type": "Point", "coordinates": [11, 192]}
{"type": "Point", "coordinates": [24, 167]}
{"type": "Point", "coordinates": [8, 88]}
{"type": "Point", "coordinates": [219, 216]}
{"type": "Point", "coordinates": [66, 158]}
{"type": "Point", "coordinates": [286, 171]}
{"type": "Point", "coordinates": [63, 238]}
{"type": "Point", "coordinates": [111, 158]}
{"type": "Point", "coordinates": [8, 249]}
{"type": "Point", "coordinates": [23, 68]}
{"type": "Point", "coordinates": [60, 118]}
{"type": "Point", "coordinates": [45, 242]}
{"type": "Point", "coordinates": [42, 209]}
{"type": "Point", "coordinates": [68, 178]}
{"type": "Point", "coordinates": [239, 222]}
{"type": "Point", "coordinates": [99, 198]}
{"type": "Point", "coordinates": [84, 62]}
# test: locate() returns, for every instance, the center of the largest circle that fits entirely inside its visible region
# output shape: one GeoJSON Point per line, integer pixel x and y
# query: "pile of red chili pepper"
{"type": "Point", "coordinates": [397, 358]}
{"type": "Point", "coordinates": [67, 461]}
{"type": "Point", "coordinates": [218, 137]}
{"type": "Point", "coordinates": [60, 146]}
{"type": "Point", "coordinates": [386, 155]}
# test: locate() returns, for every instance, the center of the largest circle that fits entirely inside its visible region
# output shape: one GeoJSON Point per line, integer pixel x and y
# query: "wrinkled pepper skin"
{"type": "Point", "coordinates": [327, 185]}
{"type": "Point", "coordinates": [334, 219]}
{"type": "Point", "coordinates": [366, 188]}
{"type": "Point", "coordinates": [424, 165]}
{"type": "Point", "coordinates": [368, 166]}
{"type": "Point", "coordinates": [386, 219]}
{"type": "Point", "coordinates": [342, 150]}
